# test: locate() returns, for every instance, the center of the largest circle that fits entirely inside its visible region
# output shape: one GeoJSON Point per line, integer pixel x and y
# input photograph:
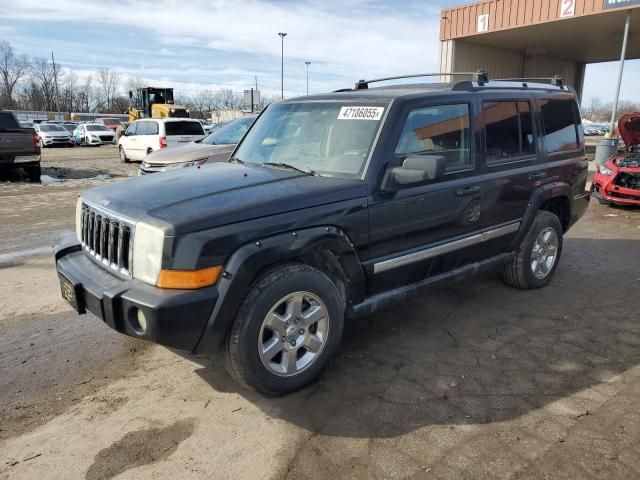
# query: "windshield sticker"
{"type": "Point", "coordinates": [360, 113]}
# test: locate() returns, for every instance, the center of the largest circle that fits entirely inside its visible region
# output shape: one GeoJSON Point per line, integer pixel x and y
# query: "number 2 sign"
{"type": "Point", "coordinates": [567, 8]}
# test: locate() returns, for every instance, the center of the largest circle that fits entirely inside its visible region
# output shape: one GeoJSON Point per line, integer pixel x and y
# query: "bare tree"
{"type": "Point", "coordinates": [43, 83]}
{"type": "Point", "coordinates": [108, 84]}
{"type": "Point", "coordinates": [133, 84]}
{"type": "Point", "coordinates": [12, 68]}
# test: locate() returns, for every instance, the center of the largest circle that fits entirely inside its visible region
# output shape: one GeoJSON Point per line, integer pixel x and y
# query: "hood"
{"type": "Point", "coordinates": [189, 152]}
{"type": "Point", "coordinates": [55, 134]}
{"type": "Point", "coordinates": [629, 128]}
{"type": "Point", "coordinates": [193, 199]}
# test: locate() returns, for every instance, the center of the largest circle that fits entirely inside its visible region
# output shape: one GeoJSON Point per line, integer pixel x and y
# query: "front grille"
{"type": "Point", "coordinates": [107, 239]}
{"type": "Point", "coordinates": [106, 138]}
{"type": "Point", "coordinates": [628, 180]}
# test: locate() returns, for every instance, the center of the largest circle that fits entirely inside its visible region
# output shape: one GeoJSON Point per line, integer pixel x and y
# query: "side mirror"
{"type": "Point", "coordinates": [415, 169]}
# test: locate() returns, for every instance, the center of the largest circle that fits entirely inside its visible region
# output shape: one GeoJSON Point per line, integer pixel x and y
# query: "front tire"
{"type": "Point", "coordinates": [123, 155]}
{"type": "Point", "coordinates": [286, 330]}
{"type": "Point", "coordinates": [536, 258]}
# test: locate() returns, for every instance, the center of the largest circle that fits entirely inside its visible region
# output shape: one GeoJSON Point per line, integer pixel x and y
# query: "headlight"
{"type": "Point", "coordinates": [605, 171]}
{"type": "Point", "coordinates": [148, 242]}
{"type": "Point", "coordinates": [194, 163]}
{"type": "Point", "coordinates": [79, 218]}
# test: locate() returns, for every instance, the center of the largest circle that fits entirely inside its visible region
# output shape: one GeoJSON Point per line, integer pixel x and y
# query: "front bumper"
{"type": "Point", "coordinates": [605, 190]}
{"type": "Point", "coordinates": [99, 141]}
{"type": "Point", "coordinates": [174, 318]}
{"type": "Point", "coordinates": [51, 141]}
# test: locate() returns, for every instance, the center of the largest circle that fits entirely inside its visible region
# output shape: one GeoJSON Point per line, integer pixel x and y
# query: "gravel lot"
{"type": "Point", "coordinates": [476, 380]}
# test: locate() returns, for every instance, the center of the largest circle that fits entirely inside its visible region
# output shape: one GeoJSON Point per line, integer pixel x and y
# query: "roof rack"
{"type": "Point", "coordinates": [556, 80]}
{"type": "Point", "coordinates": [479, 76]}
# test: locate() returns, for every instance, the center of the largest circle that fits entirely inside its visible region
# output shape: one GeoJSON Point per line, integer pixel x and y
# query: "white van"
{"type": "Point", "coordinates": [150, 134]}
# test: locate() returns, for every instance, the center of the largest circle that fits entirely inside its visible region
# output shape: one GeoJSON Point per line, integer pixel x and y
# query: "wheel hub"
{"type": "Point", "coordinates": [545, 252]}
{"type": "Point", "coordinates": [293, 333]}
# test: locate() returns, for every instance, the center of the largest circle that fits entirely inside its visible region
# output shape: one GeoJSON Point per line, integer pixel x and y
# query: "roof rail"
{"type": "Point", "coordinates": [556, 80]}
{"type": "Point", "coordinates": [479, 76]}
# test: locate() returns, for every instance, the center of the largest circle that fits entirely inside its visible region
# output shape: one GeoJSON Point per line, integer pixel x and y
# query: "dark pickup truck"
{"type": "Point", "coordinates": [19, 147]}
{"type": "Point", "coordinates": [331, 207]}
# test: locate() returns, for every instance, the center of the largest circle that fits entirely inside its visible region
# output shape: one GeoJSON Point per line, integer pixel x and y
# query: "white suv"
{"type": "Point", "coordinates": [150, 134]}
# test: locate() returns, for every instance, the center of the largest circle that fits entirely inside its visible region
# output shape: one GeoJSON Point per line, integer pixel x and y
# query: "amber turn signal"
{"type": "Point", "coordinates": [189, 279]}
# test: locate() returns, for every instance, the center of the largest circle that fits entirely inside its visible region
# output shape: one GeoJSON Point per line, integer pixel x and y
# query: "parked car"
{"type": "Point", "coordinates": [19, 146]}
{"type": "Point", "coordinates": [215, 147]}
{"type": "Point", "coordinates": [150, 134]}
{"type": "Point", "coordinates": [617, 181]}
{"type": "Point", "coordinates": [69, 126]}
{"type": "Point", "coordinates": [92, 134]}
{"type": "Point", "coordinates": [206, 125]}
{"type": "Point", "coordinates": [331, 207]}
{"type": "Point", "coordinates": [52, 135]}
{"type": "Point", "coordinates": [111, 123]}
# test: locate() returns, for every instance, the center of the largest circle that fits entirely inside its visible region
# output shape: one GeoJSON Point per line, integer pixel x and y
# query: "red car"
{"type": "Point", "coordinates": [112, 123]}
{"type": "Point", "coordinates": [617, 181]}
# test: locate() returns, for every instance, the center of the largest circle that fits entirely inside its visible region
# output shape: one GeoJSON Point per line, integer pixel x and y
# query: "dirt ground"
{"type": "Point", "coordinates": [476, 380]}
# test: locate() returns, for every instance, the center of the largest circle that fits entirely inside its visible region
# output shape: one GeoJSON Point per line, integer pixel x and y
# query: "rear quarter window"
{"type": "Point", "coordinates": [560, 125]}
{"type": "Point", "coordinates": [183, 128]}
{"type": "Point", "coordinates": [8, 121]}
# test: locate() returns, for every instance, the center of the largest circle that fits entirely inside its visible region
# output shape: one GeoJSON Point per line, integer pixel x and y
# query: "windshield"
{"type": "Point", "coordinates": [52, 128]}
{"type": "Point", "coordinates": [231, 133]}
{"type": "Point", "coordinates": [68, 127]}
{"type": "Point", "coordinates": [329, 138]}
{"type": "Point", "coordinates": [111, 121]}
{"type": "Point", "coordinates": [97, 128]}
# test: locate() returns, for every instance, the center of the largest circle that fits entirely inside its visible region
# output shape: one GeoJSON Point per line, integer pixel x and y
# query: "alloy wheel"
{"type": "Point", "coordinates": [293, 334]}
{"type": "Point", "coordinates": [545, 253]}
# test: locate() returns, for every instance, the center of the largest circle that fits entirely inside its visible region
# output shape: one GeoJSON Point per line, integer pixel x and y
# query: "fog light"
{"type": "Point", "coordinates": [142, 321]}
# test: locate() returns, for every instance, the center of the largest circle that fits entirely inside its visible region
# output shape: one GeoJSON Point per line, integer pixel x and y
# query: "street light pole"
{"type": "Point", "coordinates": [307, 64]}
{"type": "Point", "coordinates": [625, 37]}
{"type": "Point", "coordinates": [282, 35]}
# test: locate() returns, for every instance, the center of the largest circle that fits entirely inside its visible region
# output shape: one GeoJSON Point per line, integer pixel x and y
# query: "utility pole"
{"type": "Point", "coordinates": [282, 35]}
{"type": "Point", "coordinates": [620, 70]}
{"type": "Point", "coordinates": [307, 63]}
{"type": "Point", "coordinates": [256, 77]}
{"type": "Point", "coordinates": [55, 78]}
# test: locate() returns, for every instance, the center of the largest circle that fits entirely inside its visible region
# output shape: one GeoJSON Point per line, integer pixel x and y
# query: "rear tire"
{"type": "Point", "coordinates": [536, 258]}
{"type": "Point", "coordinates": [123, 155]}
{"type": "Point", "coordinates": [34, 173]}
{"type": "Point", "coordinates": [286, 330]}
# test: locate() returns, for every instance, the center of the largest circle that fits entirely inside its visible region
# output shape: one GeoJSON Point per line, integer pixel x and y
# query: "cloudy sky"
{"type": "Point", "coordinates": [197, 44]}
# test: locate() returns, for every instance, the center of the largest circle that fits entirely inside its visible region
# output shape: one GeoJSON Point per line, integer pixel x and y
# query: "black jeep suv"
{"type": "Point", "coordinates": [332, 206]}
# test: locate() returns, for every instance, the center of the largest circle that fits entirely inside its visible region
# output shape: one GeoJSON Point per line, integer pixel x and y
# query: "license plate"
{"type": "Point", "coordinates": [69, 293]}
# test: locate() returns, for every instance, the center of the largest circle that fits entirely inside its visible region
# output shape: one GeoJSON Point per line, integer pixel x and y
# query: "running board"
{"type": "Point", "coordinates": [381, 300]}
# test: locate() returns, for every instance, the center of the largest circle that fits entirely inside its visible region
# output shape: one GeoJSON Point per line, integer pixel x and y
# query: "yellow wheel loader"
{"type": "Point", "coordinates": [151, 102]}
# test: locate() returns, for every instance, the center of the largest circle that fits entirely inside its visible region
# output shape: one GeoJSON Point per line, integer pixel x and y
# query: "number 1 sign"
{"type": "Point", "coordinates": [483, 22]}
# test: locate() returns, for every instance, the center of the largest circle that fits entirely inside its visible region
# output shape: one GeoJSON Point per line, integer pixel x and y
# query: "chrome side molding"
{"type": "Point", "coordinates": [431, 252]}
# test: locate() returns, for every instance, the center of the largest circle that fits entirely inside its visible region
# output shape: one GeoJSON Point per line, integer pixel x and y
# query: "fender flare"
{"type": "Point", "coordinates": [538, 197]}
{"type": "Point", "coordinates": [248, 261]}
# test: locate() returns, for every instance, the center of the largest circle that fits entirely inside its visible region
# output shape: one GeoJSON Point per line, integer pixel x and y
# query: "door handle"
{"type": "Point", "coordinates": [463, 192]}
{"type": "Point", "coordinates": [534, 176]}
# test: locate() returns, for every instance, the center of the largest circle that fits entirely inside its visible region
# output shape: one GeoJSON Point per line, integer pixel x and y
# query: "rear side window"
{"type": "Point", "coordinates": [147, 128]}
{"type": "Point", "coordinates": [439, 130]}
{"type": "Point", "coordinates": [560, 125]}
{"type": "Point", "coordinates": [183, 128]}
{"type": "Point", "coordinates": [508, 131]}
{"type": "Point", "coordinates": [7, 121]}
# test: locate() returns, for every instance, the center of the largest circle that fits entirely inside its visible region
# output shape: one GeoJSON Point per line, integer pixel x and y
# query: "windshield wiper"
{"type": "Point", "coordinates": [236, 160]}
{"type": "Point", "coordinates": [306, 170]}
